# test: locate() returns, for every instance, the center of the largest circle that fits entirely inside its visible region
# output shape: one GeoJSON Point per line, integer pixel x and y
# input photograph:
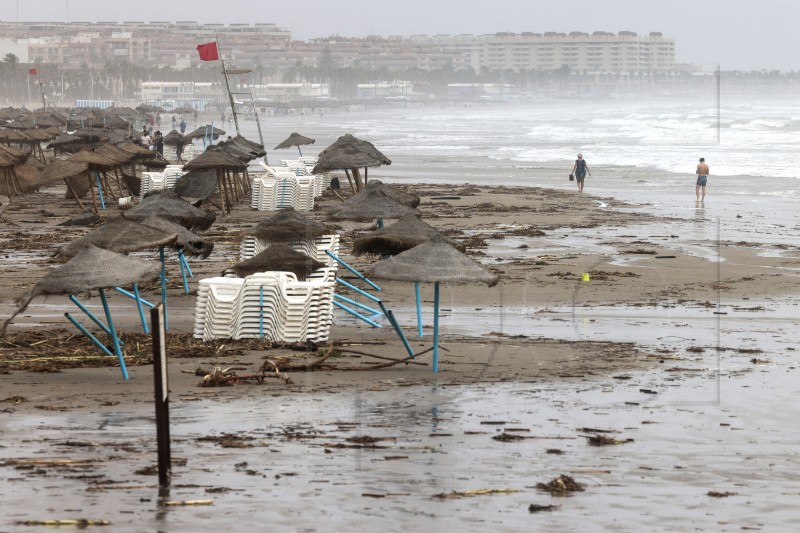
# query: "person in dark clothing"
{"type": "Point", "coordinates": [183, 126]}
{"type": "Point", "coordinates": [158, 142]}
{"type": "Point", "coordinates": [579, 169]}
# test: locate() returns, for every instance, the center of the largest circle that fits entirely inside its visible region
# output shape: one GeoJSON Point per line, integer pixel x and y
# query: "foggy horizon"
{"type": "Point", "coordinates": [706, 32]}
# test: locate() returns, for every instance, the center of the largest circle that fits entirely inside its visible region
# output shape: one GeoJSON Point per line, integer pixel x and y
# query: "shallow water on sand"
{"type": "Point", "coordinates": [692, 432]}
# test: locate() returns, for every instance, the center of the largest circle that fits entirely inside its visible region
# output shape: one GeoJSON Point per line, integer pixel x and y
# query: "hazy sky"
{"type": "Point", "coordinates": [737, 34]}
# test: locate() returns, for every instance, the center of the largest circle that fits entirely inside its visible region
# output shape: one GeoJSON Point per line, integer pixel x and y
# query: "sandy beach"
{"type": "Point", "coordinates": [605, 325]}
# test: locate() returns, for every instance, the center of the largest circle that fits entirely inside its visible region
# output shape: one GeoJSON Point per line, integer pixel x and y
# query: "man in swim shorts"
{"type": "Point", "coordinates": [702, 179]}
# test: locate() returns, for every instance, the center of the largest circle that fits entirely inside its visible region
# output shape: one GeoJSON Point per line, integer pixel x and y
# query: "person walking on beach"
{"type": "Point", "coordinates": [579, 169]}
{"type": "Point", "coordinates": [702, 178]}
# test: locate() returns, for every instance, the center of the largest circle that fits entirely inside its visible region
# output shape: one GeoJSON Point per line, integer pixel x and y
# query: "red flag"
{"type": "Point", "coordinates": [33, 71]}
{"type": "Point", "coordinates": [208, 51]}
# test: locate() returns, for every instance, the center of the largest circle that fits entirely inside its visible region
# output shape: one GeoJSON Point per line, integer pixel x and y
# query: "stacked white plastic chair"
{"type": "Point", "coordinates": [270, 304]}
{"type": "Point", "coordinates": [280, 188]}
{"type": "Point", "coordinates": [314, 248]}
{"type": "Point", "coordinates": [154, 181]}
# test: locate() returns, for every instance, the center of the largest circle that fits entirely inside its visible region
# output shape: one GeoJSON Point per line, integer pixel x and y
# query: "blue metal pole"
{"type": "Point", "coordinates": [359, 291]}
{"type": "Point", "coordinates": [88, 334]}
{"type": "Point", "coordinates": [436, 327]}
{"type": "Point", "coordinates": [131, 295]}
{"type": "Point", "coordinates": [139, 307]}
{"type": "Point", "coordinates": [351, 269]}
{"type": "Point", "coordinates": [114, 337]}
{"type": "Point", "coordinates": [99, 189]}
{"type": "Point", "coordinates": [185, 262]}
{"type": "Point", "coordinates": [396, 327]}
{"type": "Point", "coordinates": [419, 308]}
{"type": "Point", "coordinates": [163, 285]}
{"type": "Point", "coordinates": [357, 315]}
{"type": "Point", "coordinates": [380, 223]}
{"type": "Point", "coordinates": [359, 305]}
{"type": "Point", "coordinates": [183, 276]}
{"type": "Point", "coordinates": [90, 314]}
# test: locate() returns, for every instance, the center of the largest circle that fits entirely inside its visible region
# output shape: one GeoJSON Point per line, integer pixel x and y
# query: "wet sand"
{"type": "Point", "coordinates": [503, 359]}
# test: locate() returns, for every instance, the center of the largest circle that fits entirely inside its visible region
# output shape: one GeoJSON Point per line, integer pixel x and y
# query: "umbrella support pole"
{"type": "Point", "coordinates": [88, 335]}
{"type": "Point", "coordinates": [100, 190]}
{"type": "Point", "coordinates": [357, 304]}
{"type": "Point", "coordinates": [114, 337]}
{"type": "Point", "coordinates": [139, 302]}
{"type": "Point", "coordinates": [163, 285]}
{"type": "Point", "coordinates": [74, 194]}
{"type": "Point", "coordinates": [436, 327]}
{"type": "Point", "coordinates": [419, 308]}
{"type": "Point", "coordinates": [396, 326]}
{"type": "Point", "coordinates": [182, 257]}
{"type": "Point", "coordinates": [359, 291]}
{"type": "Point", "coordinates": [92, 316]}
{"type": "Point", "coordinates": [353, 270]}
{"type": "Point", "coordinates": [357, 315]}
{"type": "Point", "coordinates": [183, 276]}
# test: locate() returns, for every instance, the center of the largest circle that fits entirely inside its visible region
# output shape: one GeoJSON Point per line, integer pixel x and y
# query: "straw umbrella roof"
{"type": "Point", "coordinates": [278, 258]}
{"type": "Point", "coordinates": [190, 242]}
{"type": "Point", "coordinates": [92, 158]}
{"type": "Point", "coordinates": [202, 131]}
{"type": "Point", "coordinates": [14, 154]}
{"type": "Point", "coordinates": [434, 261]}
{"type": "Point", "coordinates": [147, 108]}
{"type": "Point", "coordinates": [14, 136]}
{"type": "Point", "coordinates": [198, 183]}
{"type": "Point", "coordinates": [371, 203]}
{"type": "Point", "coordinates": [59, 169]}
{"type": "Point", "coordinates": [66, 139]}
{"type": "Point", "coordinates": [215, 159]}
{"type": "Point", "coordinates": [37, 134]}
{"type": "Point", "coordinates": [92, 268]}
{"type": "Point", "coordinates": [115, 153]}
{"type": "Point", "coordinates": [91, 136]}
{"type": "Point", "coordinates": [287, 225]}
{"type": "Point", "coordinates": [403, 235]}
{"type": "Point", "coordinates": [295, 139]}
{"type": "Point", "coordinates": [139, 151]}
{"type": "Point", "coordinates": [183, 109]}
{"type": "Point", "coordinates": [229, 148]}
{"type": "Point", "coordinates": [349, 152]}
{"type": "Point", "coordinates": [254, 146]}
{"type": "Point", "coordinates": [175, 138]}
{"type": "Point", "coordinates": [168, 205]}
{"type": "Point", "coordinates": [405, 198]}
{"type": "Point", "coordinates": [121, 235]}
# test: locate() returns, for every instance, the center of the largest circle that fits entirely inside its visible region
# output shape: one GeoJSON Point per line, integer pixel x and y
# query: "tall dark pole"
{"type": "Point", "coordinates": [228, 87]}
{"type": "Point", "coordinates": [161, 388]}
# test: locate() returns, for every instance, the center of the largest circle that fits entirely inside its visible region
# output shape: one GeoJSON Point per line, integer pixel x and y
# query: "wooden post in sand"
{"type": "Point", "coordinates": [161, 393]}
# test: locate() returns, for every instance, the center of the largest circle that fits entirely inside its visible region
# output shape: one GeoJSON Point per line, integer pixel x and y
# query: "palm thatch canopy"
{"type": "Point", "coordinates": [403, 235]}
{"type": "Point", "coordinates": [175, 138]}
{"type": "Point", "coordinates": [435, 261]}
{"type": "Point", "coordinates": [369, 204]}
{"type": "Point", "coordinates": [190, 242]}
{"type": "Point", "coordinates": [92, 268]}
{"type": "Point", "coordinates": [16, 155]}
{"type": "Point", "coordinates": [295, 139]}
{"type": "Point", "coordinates": [234, 150]}
{"type": "Point", "coordinates": [405, 198]}
{"type": "Point", "coordinates": [183, 109]}
{"type": "Point", "coordinates": [287, 225]}
{"type": "Point", "coordinates": [168, 205]}
{"type": "Point", "coordinates": [121, 235]}
{"type": "Point", "coordinates": [349, 152]}
{"type": "Point", "coordinates": [204, 131]}
{"type": "Point", "coordinates": [278, 258]}
{"type": "Point", "coordinates": [93, 159]}
{"type": "Point", "coordinates": [215, 159]}
{"type": "Point", "coordinates": [117, 155]}
{"type": "Point", "coordinates": [61, 169]}
{"type": "Point", "coordinates": [66, 140]}
{"type": "Point", "coordinates": [138, 151]}
{"type": "Point", "coordinates": [253, 146]}
{"type": "Point", "coordinates": [197, 184]}
{"type": "Point", "coordinates": [147, 108]}
{"type": "Point", "coordinates": [91, 136]}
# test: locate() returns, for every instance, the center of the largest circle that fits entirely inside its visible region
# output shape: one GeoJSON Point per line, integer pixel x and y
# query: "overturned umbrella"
{"type": "Point", "coordinates": [435, 261]}
{"type": "Point", "coordinates": [92, 268]}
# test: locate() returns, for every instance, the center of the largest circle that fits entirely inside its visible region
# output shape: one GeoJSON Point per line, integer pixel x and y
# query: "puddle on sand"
{"type": "Point", "coordinates": [290, 461]}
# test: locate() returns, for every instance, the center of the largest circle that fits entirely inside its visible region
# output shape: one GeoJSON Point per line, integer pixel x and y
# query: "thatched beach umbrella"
{"type": "Point", "coordinates": [405, 198]}
{"type": "Point", "coordinates": [295, 139]}
{"type": "Point", "coordinates": [74, 174]}
{"type": "Point", "coordinates": [123, 236]}
{"type": "Point", "coordinates": [93, 268]}
{"type": "Point", "coordinates": [174, 138]}
{"type": "Point", "coordinates": [350, 153]}
{"type": "Point", "coordinates": [435, 261]}
{"type": "Point", "coordinates": [168, 205]}
{"type": "Point", "coordinates": [198, 184]}
{"type": "Point", "coordinates": [99, 165]}
{"type": "Point", "coordinates": [371, 203]}
{"type": "Point", "coordinates": [207, 131]}
{"type": "Point", "coordinates": [66, 142]}
{"type": "Point", "coordinates": [232, 181]}
{"type": "Point", "coordinates": [278, 258]}
{"type": "Point", "coordinates": [287, 226]}
{"type": "Point", "coordinates": [403, 235]}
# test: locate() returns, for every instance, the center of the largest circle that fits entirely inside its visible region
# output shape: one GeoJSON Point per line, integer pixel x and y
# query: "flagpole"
{"type": "Point", "coordinates": [41, 89]}
{"type": "Point", "coordinates": [228, 87]}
